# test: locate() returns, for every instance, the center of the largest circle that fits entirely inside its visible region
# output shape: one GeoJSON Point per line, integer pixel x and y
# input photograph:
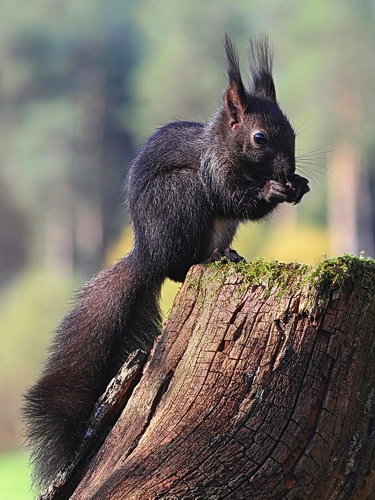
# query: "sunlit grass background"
{"type": "Point", "coordinates": [14, 477]}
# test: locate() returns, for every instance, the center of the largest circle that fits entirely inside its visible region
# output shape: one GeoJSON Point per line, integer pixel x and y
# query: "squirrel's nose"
{"type": "Point", "coordinates": [283, 166]}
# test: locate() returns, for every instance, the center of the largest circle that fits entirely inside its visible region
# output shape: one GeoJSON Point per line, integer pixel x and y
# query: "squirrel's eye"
{"type": "Point", "coordinates": [260, 138]}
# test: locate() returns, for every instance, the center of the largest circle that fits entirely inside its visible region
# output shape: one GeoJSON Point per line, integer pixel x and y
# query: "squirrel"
{"type": "Point", "coordinates": [188, 189]}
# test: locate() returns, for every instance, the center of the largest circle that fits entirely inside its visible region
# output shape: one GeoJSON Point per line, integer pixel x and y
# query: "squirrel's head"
{"type": "Point", "coordinates": [257, 129]}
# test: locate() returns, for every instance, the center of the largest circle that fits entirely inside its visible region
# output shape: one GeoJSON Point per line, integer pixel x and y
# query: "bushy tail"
{"type": "Point", "coordinates": [116, 313]}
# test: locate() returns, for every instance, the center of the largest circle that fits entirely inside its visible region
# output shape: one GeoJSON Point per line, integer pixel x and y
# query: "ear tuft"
{"type": "Point", "coordinates": [261, 62]}
{"type": "Point", "coordinates": [235, 96]}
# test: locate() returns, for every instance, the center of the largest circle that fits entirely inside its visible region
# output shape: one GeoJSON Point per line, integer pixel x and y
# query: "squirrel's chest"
{"type": "Point", "coordinates": [222, 233]}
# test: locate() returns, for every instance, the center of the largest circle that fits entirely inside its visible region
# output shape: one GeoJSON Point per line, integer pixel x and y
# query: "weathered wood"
{"type": "Point", "coordinates": [105, 414]}
{"type": "Point", "coordinates": [261, 387]}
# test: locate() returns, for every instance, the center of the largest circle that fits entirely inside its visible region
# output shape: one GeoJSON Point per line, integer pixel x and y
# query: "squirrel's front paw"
{"type": "Point", "coordinates": [299, 187]}
{"type": "Point", "coordinates": [290, 190]}
{"type": "Point", "coordinates": [276, 191]}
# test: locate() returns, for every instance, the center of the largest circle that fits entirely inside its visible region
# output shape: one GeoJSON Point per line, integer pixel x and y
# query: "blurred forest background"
{"type": "Point", "coordinates": [84, 82]}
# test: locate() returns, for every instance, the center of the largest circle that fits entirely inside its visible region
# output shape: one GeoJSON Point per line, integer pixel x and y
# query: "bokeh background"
{"type": "Point", "coordinates": [84, 82]}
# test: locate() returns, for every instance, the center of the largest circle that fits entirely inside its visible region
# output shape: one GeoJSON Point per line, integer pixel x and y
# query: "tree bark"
{"type": "Point", "coordinates": [262, 386]}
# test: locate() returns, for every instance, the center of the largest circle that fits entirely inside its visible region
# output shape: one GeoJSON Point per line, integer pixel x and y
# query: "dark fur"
{"type": "Point", "coordinates": [188, 189]}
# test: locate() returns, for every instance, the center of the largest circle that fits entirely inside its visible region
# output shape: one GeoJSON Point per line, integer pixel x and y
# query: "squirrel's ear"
{"type": "Point", "coordinates": [235, 97]}
{"type": "Point", "coordinates": [235, 102]}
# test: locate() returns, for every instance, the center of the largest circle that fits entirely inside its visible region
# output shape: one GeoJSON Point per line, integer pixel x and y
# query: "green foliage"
{"type": "Point", "coordinates": [29, 311]}
{"type": "Point", "coordinates": [181, 75]}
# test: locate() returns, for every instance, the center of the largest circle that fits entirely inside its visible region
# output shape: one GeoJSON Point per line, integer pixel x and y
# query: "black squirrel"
{"type": "Point", "coordinates": [188, 189]}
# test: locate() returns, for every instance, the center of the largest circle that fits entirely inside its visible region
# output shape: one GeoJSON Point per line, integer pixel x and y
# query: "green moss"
{"type": "Point", "coordinates": [347, 272]}
{"type": "Point", "coordinates": [344, 272]}
{"type": "Point", "coordinates": [260, 272]}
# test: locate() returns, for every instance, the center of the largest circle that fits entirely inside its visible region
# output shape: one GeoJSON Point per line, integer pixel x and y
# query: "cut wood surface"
{"type": "Point", "coordinates": [262, 386]}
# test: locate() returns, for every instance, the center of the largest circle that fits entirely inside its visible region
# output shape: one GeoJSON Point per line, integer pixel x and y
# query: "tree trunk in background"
{"type": "Point", "coordinates": [261, 387]}
{"type": "Point", "coordinates": [343, 185]}
{"type": "Point", "coordinates": [350, 206]}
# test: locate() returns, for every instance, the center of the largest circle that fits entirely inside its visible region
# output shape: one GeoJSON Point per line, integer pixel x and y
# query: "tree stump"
{"type": "Point", "coordinates": [262, 386]}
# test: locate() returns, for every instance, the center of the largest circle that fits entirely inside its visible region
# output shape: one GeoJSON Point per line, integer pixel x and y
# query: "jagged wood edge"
{"type": "Point", "coordinates": [105, 414]}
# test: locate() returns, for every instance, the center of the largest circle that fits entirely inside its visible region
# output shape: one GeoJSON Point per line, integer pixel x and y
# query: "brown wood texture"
{"type": "Point", "coordinates": [261, 387]}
